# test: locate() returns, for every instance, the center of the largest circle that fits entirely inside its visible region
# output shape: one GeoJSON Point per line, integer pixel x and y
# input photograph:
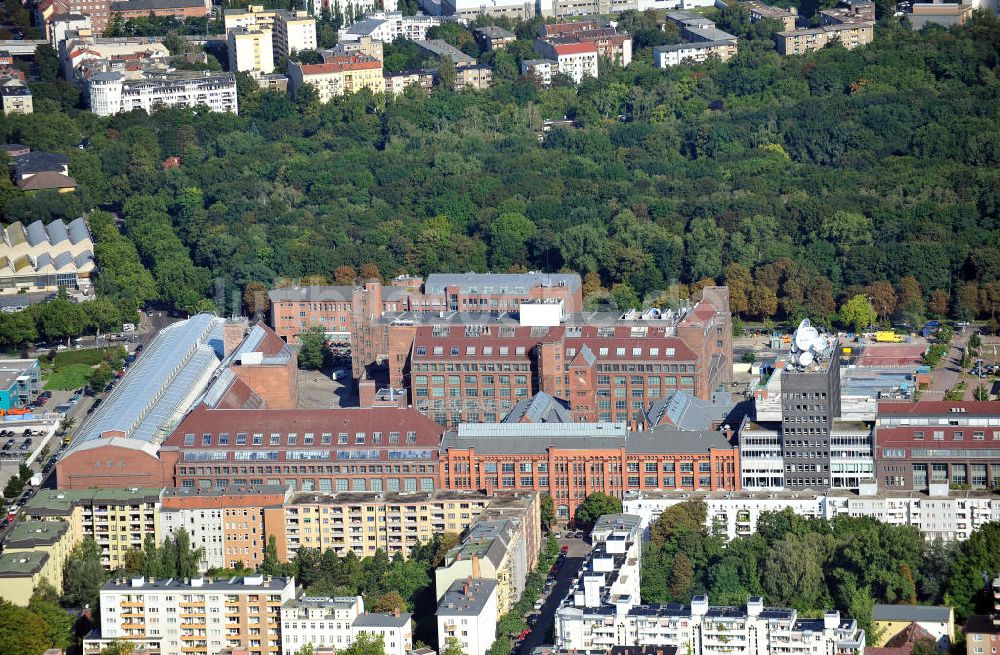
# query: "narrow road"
{"type": "Point", "coordinates": [541, 633]}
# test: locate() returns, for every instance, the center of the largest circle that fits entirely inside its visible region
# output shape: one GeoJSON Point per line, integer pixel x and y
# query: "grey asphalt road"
{"type": "Point", "coordinates": [541, 633]}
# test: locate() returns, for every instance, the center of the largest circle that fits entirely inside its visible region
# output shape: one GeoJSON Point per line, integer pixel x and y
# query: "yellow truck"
{"type": "Point", "coordinates": [888, 336]}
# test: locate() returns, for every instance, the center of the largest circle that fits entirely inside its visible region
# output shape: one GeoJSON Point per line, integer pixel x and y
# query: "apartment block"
{"type": "Point", "coordinates": [251, 49]}
{"type": "Point", "coordinates": [493, 37]}
{"type": "Point", "coordinates": [760, 11]}
{"type": "Point", "coordinates": [605, 589]}
{"type": "Point", "coordinates": [478, 78]}
{"type": "Point", "coordinates": [82, 52]}
{"type": "Point", "coordinates": [111, 93]}
{"type": "Point", "coordinates": [231, 524]}
{"type": "Point", "coordinates": [20, 380]}
{"type": "Point", "coordinates": [698, 52]}
{"type": "Point", "coordinates": [469, 9]}
{"type": "Point", "coordinates": [397, 83]}
{"type": "Point", "coordinates": [33, 551]}
{"type": "Point", "coordinates": [574, 59]}
{"type": "Point", "coordinates": [467, 612]}
{"type": "Point", "coordinates": [338, 76]}
{"type": "Point", "coordinates": [15, 97]}
{"type": "Point", "coordinates": [607, 367]}
{"type": "Point", "coordinates": [200, 615]}
{"type": "Point", "coordinates": [386, 27]}
{"type": "Point", "coordinates": [490, 549]}
{"type": "Point", "coordinates": [982, 631]}
{"type": "Point", "coordinates": [293, 31]}
{"type": "Point", "coordinates": [602, 611]}
{"type": "Point", "coordinates": [850, 35]}
{"type": "Point", "coordinates": [949, 515]}
{"type": "Point", "coordinates": [334, 623]}
{"type": "Point", "coordinates": [937, 442]}
{"type": "Point", "coordinates": [611, 44]}
{"type": "Point", "coordinates": [22, 572]}
{"type": "Point", "coordinates": [571, 461]}
{"type": "Point", "coordinates": [540, 69]}
{"type": "Point", "coordinates": [117, 519]}
{"type": "Point", "coordinates": [364, 522]}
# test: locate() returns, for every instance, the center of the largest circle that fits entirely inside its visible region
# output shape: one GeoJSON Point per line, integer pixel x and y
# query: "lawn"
{"type": "Point", "coordinates": [70, 376]}
{"type": "Point", "coordinates": [89, 356]}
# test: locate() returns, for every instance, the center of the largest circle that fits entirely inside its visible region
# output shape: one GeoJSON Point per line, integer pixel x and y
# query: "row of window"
{"type": "Point", "coordinates": [956, 435]}
{"type": "Point", "coordinates": [325, 484]}
{"type": "Point", "coordinates": [292, 438]}
{"type": "Point", "coordinates": [294, 470]}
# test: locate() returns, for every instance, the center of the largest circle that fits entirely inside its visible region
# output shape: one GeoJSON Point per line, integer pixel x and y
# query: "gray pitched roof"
{"type": "Point", "coordinates": [380, 620]}
{"type": "Point", "coordinates": [312, 294]}
{"type": "Point", "coordinates": [540, 408]}
{"type": "Point", "coordinates": [456, 602]}
{"type": "Point", "coordinates": [436, 282]}
{"type": "Point", "coordinates": [916, 613]}
{"type": "Point", "coordinates": [36, 162]}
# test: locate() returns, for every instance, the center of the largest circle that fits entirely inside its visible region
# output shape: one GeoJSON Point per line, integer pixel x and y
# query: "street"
{"type": "Point", "coordinates": [541, 633]}
{"type": "Point", "coordinates": [949, 372]}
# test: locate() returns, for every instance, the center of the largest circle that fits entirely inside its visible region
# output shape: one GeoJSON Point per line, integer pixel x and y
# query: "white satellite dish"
{"type": "Point", "coordinates": [821, 344]}
{"type": "Point", "coordinates": [805, 335]}
{"type": "Point", "coordinates": [806, 358]}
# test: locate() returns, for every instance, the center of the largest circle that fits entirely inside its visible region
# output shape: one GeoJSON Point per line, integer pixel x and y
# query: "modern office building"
{"type": "Point", "coordinates": [20, 380]}
{"type": "Point", "coordinates": [199, 615]}
{"type": "Point", "coordinates": [798, 439]}
{"type": "Point", "coordinates": [937, 442]}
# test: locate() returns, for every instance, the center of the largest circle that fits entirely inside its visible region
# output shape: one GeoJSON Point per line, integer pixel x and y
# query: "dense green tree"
{"type": "Point", "coordinates": [22, 631]}
{"type": "Point", "coordinates": [689, 515]}
{"type": "Point", "coordinates": [312, 349]}
{"type": "Point", "coordinates": [977, 557]}
{"type": "Point", "coordinates": [857, 313]}
{"type": "Point", "coordinates": [83, 575]}
{"type": "Point", "coordinates": [594, 507]}
{"type": "Point", "coordinates": [547, 510]}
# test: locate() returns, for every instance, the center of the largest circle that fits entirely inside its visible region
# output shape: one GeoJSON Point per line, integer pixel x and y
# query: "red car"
{"type": "Point", "coordinates": [564, 549]}
{"type": "Point", "coordinates": [524, 633]}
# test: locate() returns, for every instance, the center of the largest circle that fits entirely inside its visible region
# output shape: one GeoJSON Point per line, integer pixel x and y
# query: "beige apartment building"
{"type": "Point", "coordinates": [117, 519]}
{"type": "Point", "coordinates": [850, 35]}
{"type": "Point", "coordinates": [395, 522]}
{"type": "Point", "coordinates": [338, 76]}
{"type": "Point", "coordinates": [199, 616]}
{"type": "Point", "coordinates": [364, 522]}
{"type": "Point", "coordinates": [55, 539]}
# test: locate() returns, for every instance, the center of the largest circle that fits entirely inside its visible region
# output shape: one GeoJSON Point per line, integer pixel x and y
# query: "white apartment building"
{"type": "Point", "coordinates": [701, 629]}
{"type": "Point", "coordinates": [111, 93]}
{"type": "Point", "coordinates": [386, 27]}
{"type": "Point", "coordinates": [602, 611]}
{"type": "Point", "coordinates": [174, 616]}
{"type": "Point", "coordinates": [595, 610]}
{"type": "Point", "coordinates": [251, 49]}
{"type": "Point", "coordinates": [542, 69]}
{"type": "Point", "coordinates": [334, 623]}
{"type": "Point", "coordinates": [469, 9]}
{"type": "Point", "coordinates": [944, 514]}
{"type": "Point", "coordinates": [294, 31]}
{"type": "Point", "coordinates": [673, 55]}
{"type": "Point", "coordinates": [577, 59]}
{"type": "Point", "coordinates": [287, 31]}
{"type": "Point", "coordinates": [468, 612]}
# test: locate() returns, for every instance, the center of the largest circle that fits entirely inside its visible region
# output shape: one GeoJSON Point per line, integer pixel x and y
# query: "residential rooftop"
{"type": "Point", "coordinates": [466, 597]}
{"type": "Point", "coordinates": [247, 583]}
{"type": "Point", "coordinates": [50, 502]}
{"type": "Point", "coordinates": [915, 613]}
{"type": "Point", "coordinates": [31, 534]}
{"type": "Point", "coordinates": [19, 565]}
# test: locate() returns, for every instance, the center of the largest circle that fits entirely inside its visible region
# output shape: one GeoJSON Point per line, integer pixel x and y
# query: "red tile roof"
{"type": "Point", "coordinates": [341, 64]}
{"type": "Point", "coordinates": [574, 48]}
{"type": "Point", "coordinates": [203, 420]}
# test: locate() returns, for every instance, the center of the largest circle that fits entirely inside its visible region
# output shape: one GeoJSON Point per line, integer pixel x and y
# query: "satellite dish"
{"type": "Point", "coordinates": [806, 358]}
{"type": "Point", "coordinates": [805, 335]}
{"type": "Point", "coordinates": [821, 344]}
